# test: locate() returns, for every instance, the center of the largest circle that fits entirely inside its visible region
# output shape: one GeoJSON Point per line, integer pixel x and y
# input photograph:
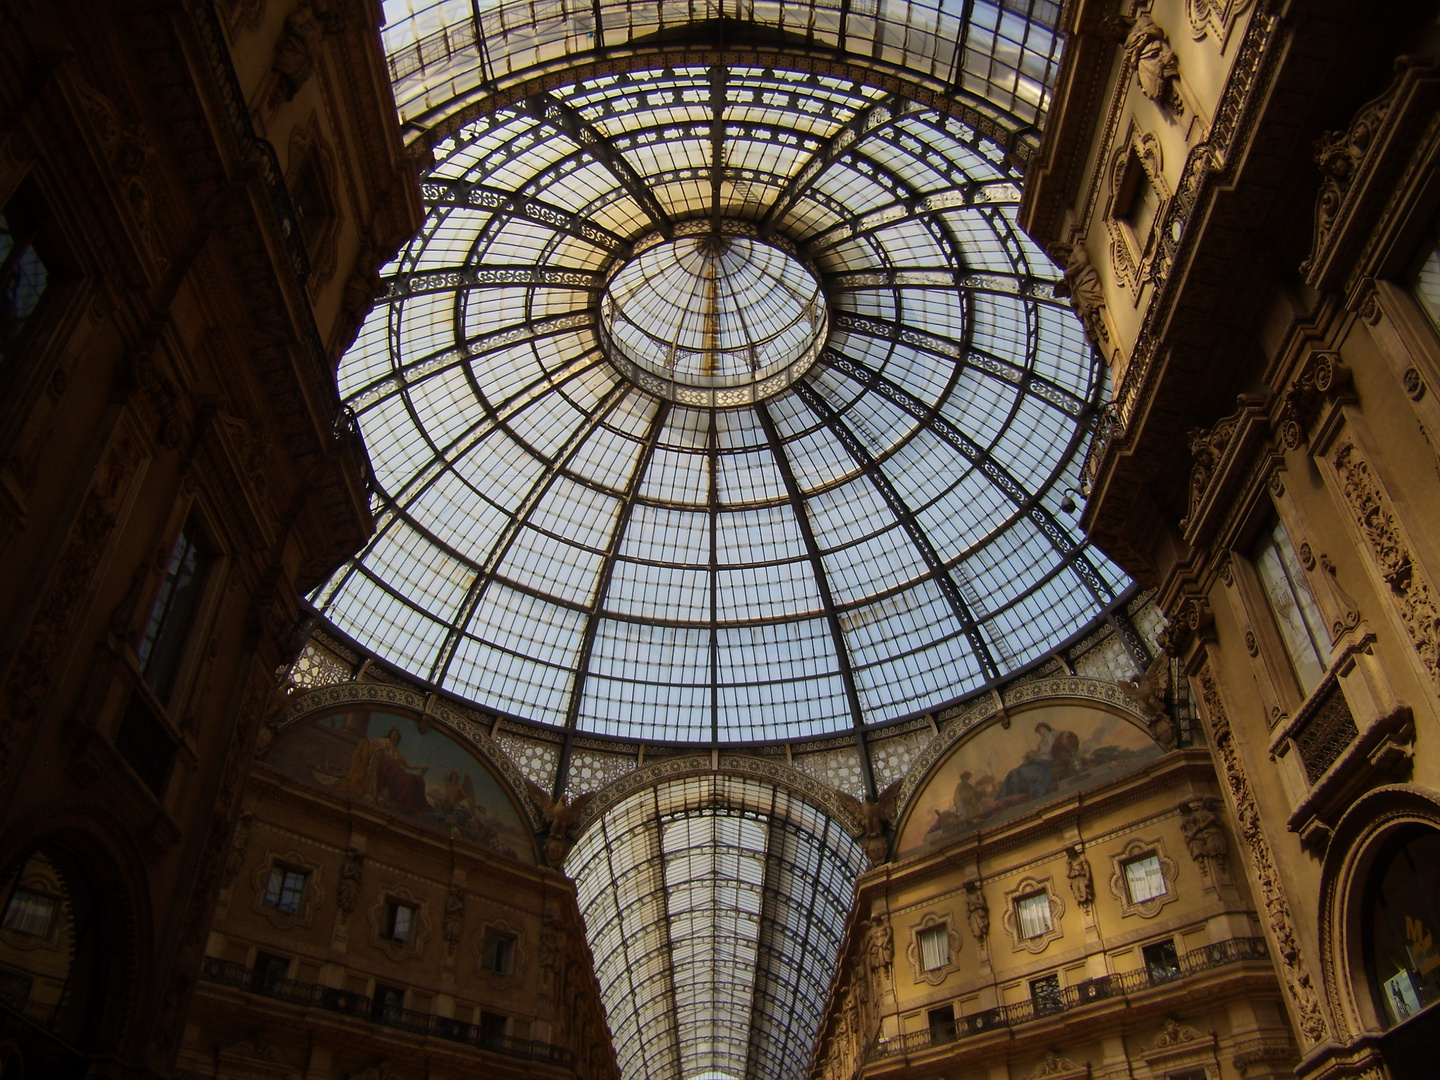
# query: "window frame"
{"type": "Point", "coordinates": [393, 907]}
{"type": "Point", "coordinates": [275, 895]}
{"type": "Point", "coordinates": [1030, 898]}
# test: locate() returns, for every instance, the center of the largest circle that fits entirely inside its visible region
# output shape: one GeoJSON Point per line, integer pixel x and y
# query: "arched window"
{"type": "Point", "coordinates": [1402, 925]}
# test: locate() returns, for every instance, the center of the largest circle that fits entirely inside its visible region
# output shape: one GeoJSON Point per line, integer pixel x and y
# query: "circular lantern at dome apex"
{"type": "Point", "coordinates": [717, 318]}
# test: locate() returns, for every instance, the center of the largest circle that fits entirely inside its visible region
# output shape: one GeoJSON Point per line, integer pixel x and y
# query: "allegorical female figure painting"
{"type": "Point", "coordinates": [1000, 772]}
{"type": "Point", "coordinates": [380, 774]}
{"type": "Point", "coordinates": [419, 773]}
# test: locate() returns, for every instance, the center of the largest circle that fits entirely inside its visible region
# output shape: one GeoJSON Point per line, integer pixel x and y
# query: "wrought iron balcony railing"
{"type": "Point", "coordinates": [332, 999]}
{"type": "Point", "coordinates": [1205, 958]}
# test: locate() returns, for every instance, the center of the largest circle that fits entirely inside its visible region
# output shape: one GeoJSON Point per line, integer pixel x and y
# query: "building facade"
{"type": "Point", "coordinates": [193, 201]}
{"type": "Point", "coordinates": [1245, 195]}
{"type": "Point", "coordinates": [1062, 902]}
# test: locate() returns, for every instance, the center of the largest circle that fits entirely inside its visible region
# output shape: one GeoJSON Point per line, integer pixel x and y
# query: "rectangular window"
{"type": "Point", "coordinates": [492, 1029]}
{"type": "Point", "coordinates": [15, 989]}
{"type": "Point", "coordinates": [286, 889]}
{"type": "Point", "coordinates": [269, 974]}
{"type": "Point", "coordinates": [24, 272]}
{"type": "Point", "coordinates": [168, 627]}
{"type": "Point", "coordinates": [1032, 915]}
{"type": "Point", "coordinates": [1162, 962]}
{"type": "Point", "coordinates": [1297, 616]}
{"type": "Point", "coordinates": [1046, 996]}
{"type": "Point", "coordinates": [30, 913]}
{"type": "Point", "coordinates": [399, 922]}
{"type": "Point", "coordinates": [387, 1003]}
{"type": "Point", "coordinates": [942, 1025]}
{"type": "Point", "coordinates": [1143, 878]}
{"type": "Point", "coordinates": [145, 742]}
{"type": "Point", "coordinates": [934, 947]}
{"type": "Point", "coordinates": [1425, 277]}
{"type": "Point", "coordinates": [499, 952]}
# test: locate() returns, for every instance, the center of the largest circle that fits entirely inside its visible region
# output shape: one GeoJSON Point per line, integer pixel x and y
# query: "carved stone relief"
{"type": "Point", "coordinates": [1294, 971]}
{"type": "Point", "coordinates": [1411, 593]}
{"type": "Point", "coordinates": [1148, 52]}
{"type": "Point", "coordinates": [1205, 836]}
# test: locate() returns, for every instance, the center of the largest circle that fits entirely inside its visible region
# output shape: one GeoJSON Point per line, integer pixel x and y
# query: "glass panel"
{"type": "Point", "coordinates": [30, 913]}
{"type": "Point", "coordinates": [1292, 603]}
{"type": "Point", "coordinates": [168, 627]}
{"type": "Point", "coordinates": [607, 499]}
{"type": "Point", "coordinates": [1046, 996]}
{"type": "Point", "coordinates": [286, 889]}
{"type": "Point", "coordinates": [1403, 923]}
{"type": "Point", "coordinates": [1425, 278]}
{"type": "Point", "coordinates": [934, 947]}
{"type": "Point", "coordinates": [23, 273]}
{"type": "Point", "coordinates": [1144, 879]}
{"type": "Point", "coordinates": [1032, 915]}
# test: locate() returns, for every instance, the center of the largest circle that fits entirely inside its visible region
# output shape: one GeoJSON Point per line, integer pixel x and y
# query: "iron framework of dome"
{"type": "Point", "coordinates": [561, 542]}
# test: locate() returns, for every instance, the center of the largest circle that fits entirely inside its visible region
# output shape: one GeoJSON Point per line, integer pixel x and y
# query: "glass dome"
{"type": "Point", "coordinates": [634, 480]}
{"type": "Point", "coordinates": [714, 318]}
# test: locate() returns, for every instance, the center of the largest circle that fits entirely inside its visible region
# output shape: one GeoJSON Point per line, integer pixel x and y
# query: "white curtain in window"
{"type": "Point", "coordinates": [934, 947]}
{"type": "Point", "coordinates": [1144, 879]}
{"type": "Point", "coordinates": [1033, 915]}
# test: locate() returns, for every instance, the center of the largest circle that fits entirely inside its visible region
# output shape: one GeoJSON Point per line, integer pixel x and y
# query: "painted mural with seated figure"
{"type": "Point", "coordinates": [424, 776]}
{"type": "Point", "coordinates": [998, 773]}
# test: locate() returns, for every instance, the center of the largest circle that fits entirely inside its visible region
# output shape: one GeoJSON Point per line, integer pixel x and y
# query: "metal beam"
{"type": "Point", "coordinates": [449, 278]}
{"type": "Point", "coordinates": [1024, 499]}
{"type": "Point", "coordinates": [906, 517]}
{"type": "Point", "coordinates": [992, 282]}
{"type": "Point", "coordinates": [602, 588]}
{"type": "Point", "coordinates": [955, 352]}
{"type": "Point", "coordinates": [551, 110]}
{"type": "Point", "coordinates": [476, 196]}
{"type": "Point", "coordinates": [496, 555]}
{"type": "Point", "coordinates": [832, 150]}
{"type": "Point", "coordinates": [822, 583]}
{"type": "Point", "coordinates": [968, 196]}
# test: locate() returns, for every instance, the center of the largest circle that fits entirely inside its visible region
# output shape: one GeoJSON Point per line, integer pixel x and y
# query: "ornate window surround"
{"type": "Point", "coordinates": [1137, 154]}
{"type": "Point", "coordinates": [395, 950]}
{"type": "Point", "coordinates": [309, 900]}
{"type": "Point", "coordinates": [929, 921]}
{"type": "Point", "coordinates": [518, 956]}
{"type": "Point", "coordinates": [1138, 849]}
{"type": "Point", "coordinates": [1026, 887]}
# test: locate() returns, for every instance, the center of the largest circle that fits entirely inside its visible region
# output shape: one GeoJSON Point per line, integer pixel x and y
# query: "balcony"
{"type": "Point", "coordinates": [1205, 958]}
{"type": "Point", "coordinates": [346, 1003]}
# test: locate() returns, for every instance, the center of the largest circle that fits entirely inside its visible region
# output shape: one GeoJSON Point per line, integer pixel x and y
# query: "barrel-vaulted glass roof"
{"type": "Point", "coordinates": [566, 537]}
{"type": "Point", "coordinates": [715, 906]}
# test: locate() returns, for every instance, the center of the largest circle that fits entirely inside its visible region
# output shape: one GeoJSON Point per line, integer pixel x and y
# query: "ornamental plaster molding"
{"type": "Point", "coordinates": [1054, 1066]}
{"type": "Point", "coordinates": [935, 976]}
{"type": "Point", "coordinates": [1135, 849]}
{"type": "Point", "coordinates": [310, 896]}
{"type": "Point", "coordinates": [1026, 887]}
{"type": "Point", "coordinates": [393, 892]}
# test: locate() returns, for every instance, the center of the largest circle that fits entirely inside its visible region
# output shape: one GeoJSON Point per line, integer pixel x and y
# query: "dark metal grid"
{"type": "Point", "coordinates": [889, 284]}
{"type": "Point", "coordinates": [760, 944]}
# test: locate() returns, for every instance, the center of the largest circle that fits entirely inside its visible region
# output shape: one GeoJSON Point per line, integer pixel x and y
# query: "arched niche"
{"type": "Point", "coordinates": [1364, 970]}
{"type": "Point", "coordinates": [75, 956]}
{"type": "Point", "coordinates": [995, 772]}
{"type": "Point", "coordinates": [409, 765]}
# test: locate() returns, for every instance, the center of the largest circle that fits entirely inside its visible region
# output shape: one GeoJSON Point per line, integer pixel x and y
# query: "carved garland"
{"type": "Point", "coordinates": [1247, 816]}
{"type": "Point", "coordinates": [1411, 592]}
